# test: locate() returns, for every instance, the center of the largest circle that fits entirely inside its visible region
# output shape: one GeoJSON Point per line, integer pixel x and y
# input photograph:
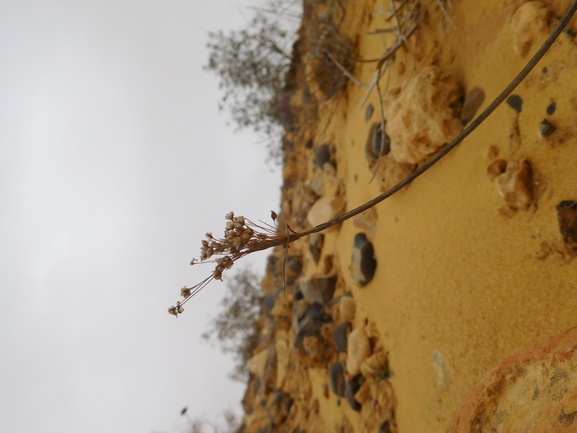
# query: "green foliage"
{"type": "Point", "coordinates": [236, 326]}
{"type": "Point", "coordinates": [251, 64]}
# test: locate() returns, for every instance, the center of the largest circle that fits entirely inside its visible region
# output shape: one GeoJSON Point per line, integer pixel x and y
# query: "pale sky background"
{"type": "Point", "coordinates": [114, 162]}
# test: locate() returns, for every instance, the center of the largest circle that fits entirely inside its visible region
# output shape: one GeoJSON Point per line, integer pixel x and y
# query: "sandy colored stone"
{"type": "Point", "coordinates": [514, 184]}
{"type": "Point", "coordinates": [421, 119]}
{"type": "Point", "coordinates": [347, 309]}
{"type": "Point", "coordinates": [324, 209]}
{"type": "Point", "coordinates": [367, 220]}
{"type": "Point", "coordinates": [358, 349]}
{"type": "Point", "coordinates": [533, 391]}
{"type": "Point", "coordinates": [257, 363]}
{"type": "Point", "coordinates": [529, 23]}
{"type": "Point", "coordinates": [376, 366]}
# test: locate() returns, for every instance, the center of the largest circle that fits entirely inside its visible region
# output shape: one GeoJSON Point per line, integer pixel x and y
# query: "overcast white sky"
{"type": "Point", "coordinates": [114, 162]}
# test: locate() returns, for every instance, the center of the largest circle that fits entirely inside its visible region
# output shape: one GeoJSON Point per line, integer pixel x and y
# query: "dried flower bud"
{"type": "Point", "coordinates": [229, 216]}
{"type": "Point", "coordinates": [185, 292]}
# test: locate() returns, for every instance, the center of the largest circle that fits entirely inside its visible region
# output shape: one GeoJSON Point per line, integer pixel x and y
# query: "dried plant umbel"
{"type": "Point", "coordinates": [243, 237]}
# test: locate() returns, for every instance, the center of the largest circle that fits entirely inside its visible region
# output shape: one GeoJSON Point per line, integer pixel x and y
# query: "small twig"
{"type": "Point", "coordinates": [410, 16]}
{"type": "Point", "coordinates": [398, 44]}
{"type": "Point", "coordinates": [375, 78]}
{"type": "Point", "coordinates": [382, 111]}
{"type": "Point", "coordinates": [344, 71]}
{"type": "Point", "coordinates": [400, 35]}
{"type": "Point", "coordinates": [379, 31]}
{"type": "Point", "coordinates": [384, 11]}
{"type": "Point", "coordinates": [445, 15]}
{"type": "Point", "coordinates": [401, 6]}
{"type": "Point", "coordinates": [385, 57]}
{"type": "Point", "coordinates": [415, 53]}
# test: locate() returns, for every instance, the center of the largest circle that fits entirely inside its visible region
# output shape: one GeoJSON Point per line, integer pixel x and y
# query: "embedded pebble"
{"type": "Point", "coordinates": [256, 364]}
{"type": "Point", "coordinates": [358, 350]}
{"type": "Point", "coordinates": [496, 168]}
{"type": "Point", "coordinates": [473, 101]}
{"type": "Point", "coordinates": [325, 285]}
{"type": "Point", "coordinates": [277, 307]}
{"type": "Point", "coordinates": [567, 217]}
{"type": "Point", "coordinates": [551, 108]}
{"type": "Point", "coordinates": [374, 142]}
{"type": "Point", "coordinates": [363, 264]}
{"type": "Point", "coordinates": [309, 338]}
{"type": "Point", "coordinates": [515, 102]}
{"type": "Point", "coordinates": [530, 20]}
{"type": "Point", "coordinates": [351, 388]}
{"type": "Point", "coordinates": [325, 209]}
{"type": "Point", "coordinates": [347, 308]}
{"type": "Point", "coordinates": [546, 128]}
{"type": "Point", "coordinates": [378, 144]}
{"type": "Point", "coordinates": [376, 366]}
{"type": "Point", "coordinates": [514, 184]}
{"type": "Point", "coordinates": [441, 370]}
{"type": "Point", "coordinates": [385, 427]}
{"type": "Point", "coordinates": [336, 373]}
{"type": "Point", "coordinates": [316, 242]}
{"type": "Point", "coordinates": [318, 289]}
{"type": "Point", "coordinates": [299, 310]}
{"type": "Point", "coordinates": [294, 265]}
{"type": "Point", "coordinates": [273, 265]}
{"type": "Point", "coordinates": [322, 155]}
{"type": "Point", "coordinates": [369, 112]}
{"type": "Point", "coordinates": [311, 295]}
{"type": "Point", "coordinates": [340, 336]}
{"type": "Point", "coordinates": [367, 220]}
{"type": "Point", "coordinates": [313, 314]}
{"type": "Point", "coordinates": [280, 406]}
{"type": "Point", "coordinates": [421, 117]}
{"type": "Point", "coordinates": [268, 304]}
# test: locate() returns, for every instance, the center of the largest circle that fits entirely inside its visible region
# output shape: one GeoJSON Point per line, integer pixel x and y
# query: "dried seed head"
{"type": "Point", "coordinates": [241, 237]}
